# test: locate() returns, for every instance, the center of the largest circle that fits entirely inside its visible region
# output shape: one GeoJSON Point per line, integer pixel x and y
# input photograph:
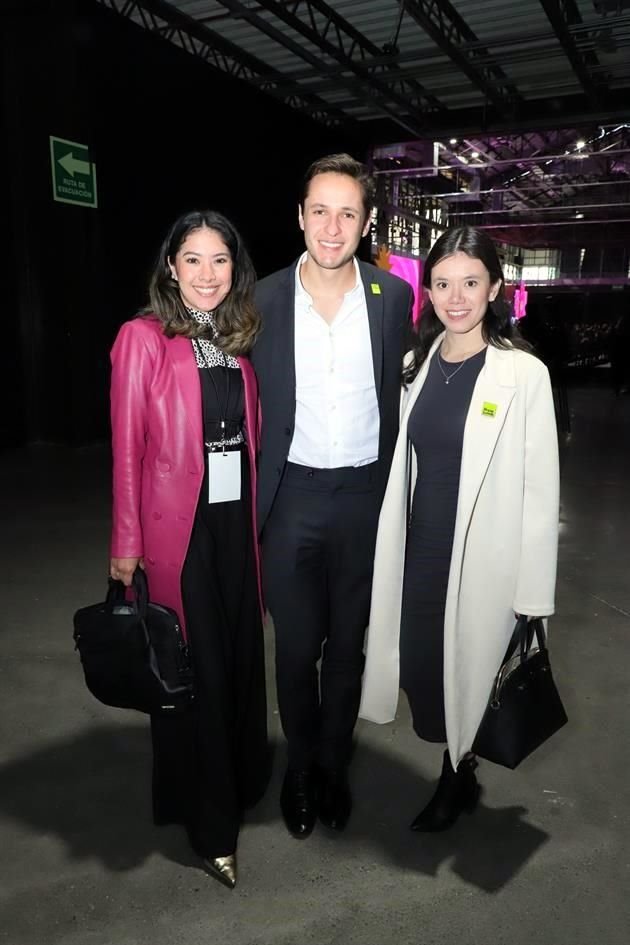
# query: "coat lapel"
{"type": "Point", "coordinates": [180, 351]}
{"type": "Point", "coordinates": [489, 406]}
{"type": "Point", "coordinates": [283, 334]}
{"type": "Point", "coordinates": [374, 297]}
{"type": "Point", "coordinates": [251, 403]}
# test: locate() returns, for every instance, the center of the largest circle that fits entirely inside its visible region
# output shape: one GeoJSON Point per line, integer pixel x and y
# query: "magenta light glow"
{"type": "Point", "coordinates": [520, 301]}
{"type": "Point", "coordinates": [411, 271]}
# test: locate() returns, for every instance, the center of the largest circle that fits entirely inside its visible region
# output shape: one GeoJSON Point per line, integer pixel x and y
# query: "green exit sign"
{"type": "Point", "coordinates": [73, 174]}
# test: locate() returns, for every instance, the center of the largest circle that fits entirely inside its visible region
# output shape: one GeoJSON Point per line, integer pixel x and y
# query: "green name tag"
{"type": "Point", "coordinates": [489, 410]}
{"type": "Point", "coordinates": [375, 287]}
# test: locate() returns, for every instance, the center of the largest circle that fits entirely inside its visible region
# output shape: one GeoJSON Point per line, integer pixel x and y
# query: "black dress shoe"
{"type": "Point", "coordinates": [457, 791]}
{"type": "Point", "coordinates": [298, 801]}
{"type": "Point", "coordinates": [335, 800]}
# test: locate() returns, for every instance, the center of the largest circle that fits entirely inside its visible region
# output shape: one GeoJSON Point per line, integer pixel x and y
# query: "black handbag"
{"type": "Point", "coordinates": [524, 708]}
{"type": "Point", "coordinates": [133, 651]}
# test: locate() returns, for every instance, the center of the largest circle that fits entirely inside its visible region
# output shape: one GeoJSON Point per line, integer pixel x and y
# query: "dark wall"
{"type": "Point", "coordinates": [582, 326]}
{"type": "Point", "coordinates": [581, 303]}
{"type": "Point", "coordinates": [167, 134]}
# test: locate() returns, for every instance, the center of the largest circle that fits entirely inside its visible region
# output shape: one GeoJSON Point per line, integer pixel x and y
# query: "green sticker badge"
{"type": "Point", "coordinates": [489, 410]}
{"type": "Point", "coordinates": [375, 287]}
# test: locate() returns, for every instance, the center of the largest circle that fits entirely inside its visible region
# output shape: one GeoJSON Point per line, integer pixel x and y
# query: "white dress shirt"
{"type": "Point", "coordinates": [336, 412]}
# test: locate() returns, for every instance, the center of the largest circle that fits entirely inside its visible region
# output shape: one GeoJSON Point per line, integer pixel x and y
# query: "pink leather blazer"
{"type": "Point", "coordinates": [158, 460]}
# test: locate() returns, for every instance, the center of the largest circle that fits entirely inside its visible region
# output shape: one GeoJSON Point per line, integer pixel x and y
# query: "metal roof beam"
{"type": "Point", "coordinates": [401, 100]}
{"type": "Point", "coordinates": [562, 14]}
{"type": "Point", "coordinates": [532, 211]}
{"type": "Point", "coordinates": [441, 21]}
{"type": "Point", "coordinates": [533, 115]}
{"type": "Point", "coordinates": [162, 18]}
{"type": "Point", "coordinates": [564, 159]}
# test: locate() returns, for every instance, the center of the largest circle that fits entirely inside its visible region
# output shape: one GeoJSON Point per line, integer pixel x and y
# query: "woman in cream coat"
{"type": "Point", "coordinates": [480, 544]}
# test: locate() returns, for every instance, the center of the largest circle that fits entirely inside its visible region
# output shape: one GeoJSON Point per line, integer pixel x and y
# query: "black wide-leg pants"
{"type": "Point", "coordinates": [318, 559]}
{"type": "Point", "coordinates": [211, 762]}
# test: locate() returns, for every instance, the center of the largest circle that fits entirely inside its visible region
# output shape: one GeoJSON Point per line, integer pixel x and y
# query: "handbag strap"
{"type": "Point", "coordinates": [141, 589]}
{"type": "Point", "coordinates": [117, 595]}
{"type": "Point", "coordinates": [523, 637]}
{"type": "Point", "coordinates": [539, 630]}
{"type": "Point", "coordinates": [138, 600]}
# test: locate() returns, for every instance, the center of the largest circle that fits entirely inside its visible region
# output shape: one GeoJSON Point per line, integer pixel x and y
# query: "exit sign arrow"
{"type": "Point", "coordinates": [73, 172]}
{"type": "Point", "coordinates": [73, 165]}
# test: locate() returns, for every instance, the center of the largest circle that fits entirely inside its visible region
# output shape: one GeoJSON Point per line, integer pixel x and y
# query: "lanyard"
{"type": "Point", "coordinates": [199, 349]}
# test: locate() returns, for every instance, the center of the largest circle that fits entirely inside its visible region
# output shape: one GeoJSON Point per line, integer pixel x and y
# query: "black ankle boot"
{"type": "Point", "coordinates": [456, 791]}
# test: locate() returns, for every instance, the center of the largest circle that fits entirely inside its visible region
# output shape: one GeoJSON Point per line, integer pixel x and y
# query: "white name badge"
{"type": "Point", "coordinates": [224, 476]}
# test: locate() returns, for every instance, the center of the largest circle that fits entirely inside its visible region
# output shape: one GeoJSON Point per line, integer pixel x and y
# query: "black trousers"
{"type": "Point", "coordinates": [211, 762]}
{"type": "Point", "coordinates": [318, 558]}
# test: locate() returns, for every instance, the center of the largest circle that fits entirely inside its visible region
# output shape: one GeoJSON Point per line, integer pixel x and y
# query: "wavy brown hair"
{"type": "Point", "coordinates": [237, 319]}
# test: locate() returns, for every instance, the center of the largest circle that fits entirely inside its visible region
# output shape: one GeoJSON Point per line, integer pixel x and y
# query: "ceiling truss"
{"type": "Point", "coordinates": [331, 34]}
{"type": "Point", "coordinates": [563, 14]}
{"type": "Point", "coordinates": [199, 40]}
{"type": "Point", "coordinates": [441, 21]}
{"type": "Point", "coordinates": [500, 94]}
{"type": "Point", "coordinates": [405, 87]}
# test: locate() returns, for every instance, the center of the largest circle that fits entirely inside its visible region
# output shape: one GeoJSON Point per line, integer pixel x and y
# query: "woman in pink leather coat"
{"type": "Point", "coordinates": [184, 435]}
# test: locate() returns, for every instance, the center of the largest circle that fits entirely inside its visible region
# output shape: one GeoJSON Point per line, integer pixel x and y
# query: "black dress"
{"type": "Point", "coordinates": [211, 762]}
{"type": "Point", "coordinates": [436, 431]}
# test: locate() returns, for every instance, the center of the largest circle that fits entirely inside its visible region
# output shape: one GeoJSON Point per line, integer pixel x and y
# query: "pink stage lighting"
{"type": "Point", "coordinates": [517, 295]}
{"type": "Point", "coordinates": [408, 269]}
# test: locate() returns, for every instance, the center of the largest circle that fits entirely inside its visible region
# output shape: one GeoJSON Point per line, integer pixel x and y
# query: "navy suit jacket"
{"type": "Point", "coordinates": [389, 300]}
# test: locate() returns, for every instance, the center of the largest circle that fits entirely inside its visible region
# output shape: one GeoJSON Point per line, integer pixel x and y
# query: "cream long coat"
{"type": "Point", "coordinates": [504, 548]}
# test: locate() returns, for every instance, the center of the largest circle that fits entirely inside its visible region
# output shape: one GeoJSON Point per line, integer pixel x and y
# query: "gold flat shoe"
{"type": "Point", "coordinates": [222, 868]}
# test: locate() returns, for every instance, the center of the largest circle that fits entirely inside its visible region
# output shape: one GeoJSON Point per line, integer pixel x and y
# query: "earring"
{"type": "Point", "coordinates": [174, 276]}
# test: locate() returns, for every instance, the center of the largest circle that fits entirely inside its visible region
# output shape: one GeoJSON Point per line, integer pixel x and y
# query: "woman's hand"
{"type": "Point", "coordinates": [121, 569]}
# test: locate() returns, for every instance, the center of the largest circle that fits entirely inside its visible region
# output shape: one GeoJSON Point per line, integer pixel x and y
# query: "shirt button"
{"type": "Point", "coordinates": [156, 515]}
{"type": "Point", "coordinates": [333, 407]}
{"type": "Point", "coordinates": [287, 430]}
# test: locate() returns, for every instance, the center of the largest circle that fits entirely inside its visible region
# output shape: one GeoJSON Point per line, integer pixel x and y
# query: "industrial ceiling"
{"type": "Point", "coordinates": [526, 104]}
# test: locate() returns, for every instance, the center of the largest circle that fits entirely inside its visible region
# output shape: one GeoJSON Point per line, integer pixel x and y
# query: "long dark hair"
{"type": "Point", "coordinates": [497, 327]}
{"type": "Point", "coordinates": [236, 318]}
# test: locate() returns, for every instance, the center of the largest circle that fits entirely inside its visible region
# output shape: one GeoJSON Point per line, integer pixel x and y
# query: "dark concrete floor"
{"type": "Point", "coordinates": [544, 859]}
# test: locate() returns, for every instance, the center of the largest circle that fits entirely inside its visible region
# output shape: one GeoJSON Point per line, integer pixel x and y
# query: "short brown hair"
{"type": "Point", "coordinates": [342, 164]}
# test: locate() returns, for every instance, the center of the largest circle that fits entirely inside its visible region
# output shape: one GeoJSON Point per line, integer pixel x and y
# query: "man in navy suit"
{"type": "Point", "coordinates": [329, 361]}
